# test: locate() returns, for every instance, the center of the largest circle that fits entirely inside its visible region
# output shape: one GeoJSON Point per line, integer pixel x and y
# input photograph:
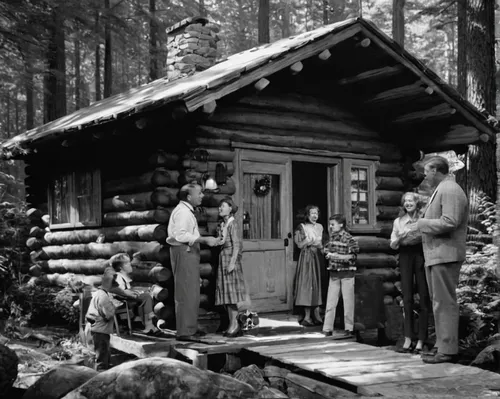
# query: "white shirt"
{"type": "Point", "coordinates": [182, 226]}
{"type": "Point", "coordinates": [401, 225]}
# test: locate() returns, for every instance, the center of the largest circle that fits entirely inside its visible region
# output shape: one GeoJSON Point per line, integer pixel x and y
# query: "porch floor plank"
{"type": "Point", "coordinates": [373, 371]}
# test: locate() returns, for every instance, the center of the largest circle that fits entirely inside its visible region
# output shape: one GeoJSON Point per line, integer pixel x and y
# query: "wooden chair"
{"type": "Point", "coordinates": [120, 310]}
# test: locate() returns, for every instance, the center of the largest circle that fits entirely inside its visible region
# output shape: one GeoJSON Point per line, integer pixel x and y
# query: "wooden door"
{"type": "Point", "coordinates": [267, 241]}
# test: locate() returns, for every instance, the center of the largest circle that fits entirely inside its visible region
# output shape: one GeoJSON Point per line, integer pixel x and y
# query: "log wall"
{"type": "Point", "coordinates": [135, 214]}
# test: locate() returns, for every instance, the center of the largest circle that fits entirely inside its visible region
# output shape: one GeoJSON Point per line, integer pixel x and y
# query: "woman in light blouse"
{"type": "Point", "coordinates": [411, 263]}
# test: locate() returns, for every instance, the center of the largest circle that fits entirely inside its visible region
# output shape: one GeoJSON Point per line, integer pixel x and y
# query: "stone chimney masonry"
{"type": "Point", "coordinates": [191, 47]}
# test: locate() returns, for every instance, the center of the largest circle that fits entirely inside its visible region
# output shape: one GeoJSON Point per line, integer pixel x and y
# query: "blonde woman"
{"type": "Point", "coordinates": [411, 265]}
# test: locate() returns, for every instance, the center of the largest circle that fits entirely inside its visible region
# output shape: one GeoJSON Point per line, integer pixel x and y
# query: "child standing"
{"type": "Point", "coordinates": [307, 285]}
{"type": "Point", "coordinates": [341, 252]}
{"type": "Point", "coordinates": [100, 315]}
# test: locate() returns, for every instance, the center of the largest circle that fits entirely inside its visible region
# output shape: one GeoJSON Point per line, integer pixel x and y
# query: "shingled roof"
{"type": "Point", "coordinates": [240, 70]}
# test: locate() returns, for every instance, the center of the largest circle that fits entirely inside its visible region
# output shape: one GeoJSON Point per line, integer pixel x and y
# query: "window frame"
{"type": "Point", "coordinates": [73, 200]}
{"type": "Point", "coordinates": [370, 166]}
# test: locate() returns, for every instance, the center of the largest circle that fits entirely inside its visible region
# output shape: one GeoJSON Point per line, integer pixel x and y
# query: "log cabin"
{"type": "Point", "coordinates": [336, 117]}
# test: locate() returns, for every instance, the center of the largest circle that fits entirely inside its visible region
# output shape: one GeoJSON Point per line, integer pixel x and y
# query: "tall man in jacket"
{"type": "Point", "coordinates": [184, 239]}
{"type": "Point", "coordinates": [444, 228]}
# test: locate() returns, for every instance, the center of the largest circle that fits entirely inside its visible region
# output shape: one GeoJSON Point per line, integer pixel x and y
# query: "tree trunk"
{"type": "Point", "coordinates": [337, 9]}
{"type": "Point", "coordinates": [398, 21]}
{"type": "Point", "coordinates": [78, 78]}
{"type": "Point", "coordinates": [55, 75]}
{"type": "Point", "coordinates": [461, 48]}
{"type": "Point", "coordinates": [477, 67]}
{"type": "Point", "coordinates": [7, 100]}
{"type": "Point", "coordinates": [264, 22]}
{"type": "Point", "coordinates": [153, 42]}
{"type": "Point", "coordinates": [285, 27]}
{"type": "Point", "coordinates": [97, 75]}
{"type": "Point", "coordinates": [326, 9]}
{"type": "Point", "coordinates": [202, 10]}
{"type": "Point", "coordinates": [108, 55]}
{"type": "Point", "coordinates": [30, 94]}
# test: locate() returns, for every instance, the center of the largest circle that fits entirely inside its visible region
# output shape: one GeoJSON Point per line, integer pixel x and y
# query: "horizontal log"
{"type": "Point", "coordinates": [211, 200]}
{"type": "Point", "coordinates": [35, 271]}
{"type": "Point", "coordinates": [128, 202]}
{"type": "Point", "coordinates": [165, 196]}
{"type": "Point", "coordinates": [207, 215]}
{"type": "Point", "coordinates": [386, 197]}
{"type": "Point", "coordinates": [389, 169]}
{"type": "Point", "coordinates": [159, 274]}
{"type": "Point", "coordinates": [210, 142]}
{"type": "Point", "coordinates": [159, 215]}
{"type": "Point", "coordinates": [141, 272]}
{"type": "Point", "coordinates": [373, 244]}
{"type": "Point", "coordinates": [297, 103]}
{"type": "Point", "coordinates": [385, 227]}
{"type": "Point", "coordinates": [163, 159]}
{"type": "Point", "coordinates": [389, 183]}
{"type": "Point", "coordinates": [142, 183]}
{"type": "Point", "coordinates": [439, 111]}
{"type": "Point", "coordinates": [159, 293]}
{"type": "Point", "coordinates": [207, 167]}
{"type": "Point", "coordinates": [62, 280]}
{"type": "Point", "coordinates": [388, 212]}
{"type": "Point", "coordinates": [205, 302]}
{"type": "Point", "coordinates": [205, 283]}
{"type": "Point", "coordinates": [385, 274]}
{"type": "Point", "coordinates": [388, 300]}
{"type": "Point", "coordinates": [149, 250]}
{"type": "Point", "coordinates": [37, 232]}
{"type": "Point", "coordinates": [291, 121]}
{"type": "Point", "coordinates": [164, 312]}
{"type": "Point", "coordinates": [388, 287]}
{"type": "Point", "coordinates": [408, 93]}
{"type": "Point", "coordinates": [217, 155]}
{"type": "Point", "coordinates": [276, 137]}
{"type": "Point", "coordinates": [34, 243]}
{"type": "Point", "coordinates": [228, 188]}
{"type": "Point", "coordinates": [206, 270]}
{"type": "Point", "coordinates": [372, 75]}
{"type": "Point", "coordinates": [375, 260]}
{"type": "Point", "coordinates": [150, 232]}
{"type": "Point", "coordinates": [34, 214]}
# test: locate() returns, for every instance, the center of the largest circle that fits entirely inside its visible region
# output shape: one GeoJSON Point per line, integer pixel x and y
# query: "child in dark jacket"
{"type": "Point", "coordinates": [100, 315]}
{"type": "Point", "coordinates": [341, 252]}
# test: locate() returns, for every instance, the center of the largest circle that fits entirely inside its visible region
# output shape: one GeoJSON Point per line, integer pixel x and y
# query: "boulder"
{"type": "Point", "coordinates": [8, 369]}
{"type": "Point", "coordinates": [251, 375]}
{"type": "Point", "coordinates": [164, 378]}
{"type": "Point", "coordinates": [58, 381]}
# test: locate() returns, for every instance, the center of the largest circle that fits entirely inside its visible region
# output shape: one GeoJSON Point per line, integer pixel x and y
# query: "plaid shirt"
{"type": "Point", "coordinates": [342, 243]}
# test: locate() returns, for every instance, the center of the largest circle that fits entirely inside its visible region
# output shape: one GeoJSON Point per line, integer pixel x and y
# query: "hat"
{"type": "Point", "coordinates": [228, 200]}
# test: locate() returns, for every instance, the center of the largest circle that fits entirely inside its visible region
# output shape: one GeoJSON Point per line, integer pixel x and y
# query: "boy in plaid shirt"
{"type": "Point", "coordinates": [341, 252]}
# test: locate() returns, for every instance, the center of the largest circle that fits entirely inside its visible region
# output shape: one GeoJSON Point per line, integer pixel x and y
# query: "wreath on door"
{"type": "Point", "coordinates": [262, 186]}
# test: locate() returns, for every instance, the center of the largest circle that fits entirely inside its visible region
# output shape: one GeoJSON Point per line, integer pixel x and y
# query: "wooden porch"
{"type": "Point", "coordinates": [350, 366]}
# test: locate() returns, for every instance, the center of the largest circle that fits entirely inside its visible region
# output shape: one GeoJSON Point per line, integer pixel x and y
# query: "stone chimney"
{"type": "Point", "coordinates": [191, 47]}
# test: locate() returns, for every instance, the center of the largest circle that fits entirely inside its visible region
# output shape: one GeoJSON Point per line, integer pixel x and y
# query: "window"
{"type": "Point", "coordinates": [359, 194]}
{"type": "Point", "coordinates": [75, 200]}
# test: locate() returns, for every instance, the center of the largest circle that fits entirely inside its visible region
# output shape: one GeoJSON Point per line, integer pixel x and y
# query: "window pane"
{"type": "Point", "coordinates": [84, 203]}
{"type": "Point", "coordinates": [60, 201]}
{"type": "Point", "coordinates": [261, 213]}
{"type": "Point", "coordinates": [359, 195]}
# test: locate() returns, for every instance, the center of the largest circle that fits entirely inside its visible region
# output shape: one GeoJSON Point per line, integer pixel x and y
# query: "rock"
{"type": "Point", "coordinates": [59, 381]}
{"type": "Point", "coordinates": [268, 393]}
{"type": "Point", "coordinates": [252, 375]}
{"type": "Point", "coordinates": [487, 359]}
{"type": "Point", "coordinates": [8, 369]}
{"type": "Point", "coordinates": [164, 378]}
{"type": "Point", "coordinates": [276, 377]}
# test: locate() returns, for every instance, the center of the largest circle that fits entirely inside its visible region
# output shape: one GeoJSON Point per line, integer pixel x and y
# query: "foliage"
{"type": "Point", "coordinates": [478, 296]}
{"type": "Point", "coordinates": [39, 304]}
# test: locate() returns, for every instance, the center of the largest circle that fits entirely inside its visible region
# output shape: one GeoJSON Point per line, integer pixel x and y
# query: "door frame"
{"type": "Point", "coordinates": [334, 185]}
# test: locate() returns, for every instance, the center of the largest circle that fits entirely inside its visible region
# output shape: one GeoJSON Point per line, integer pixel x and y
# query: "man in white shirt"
{"type": "Point", "coordinates": [184, 240]}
